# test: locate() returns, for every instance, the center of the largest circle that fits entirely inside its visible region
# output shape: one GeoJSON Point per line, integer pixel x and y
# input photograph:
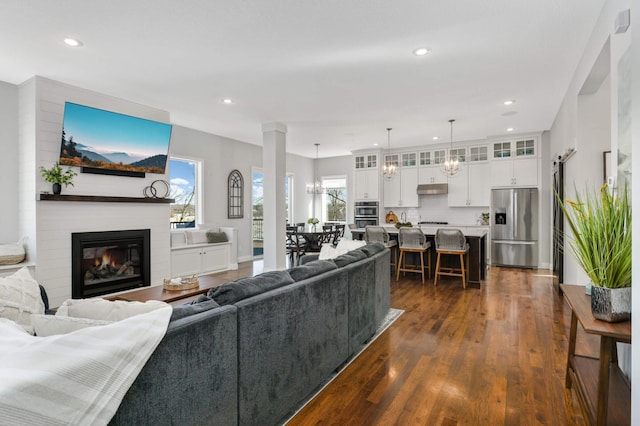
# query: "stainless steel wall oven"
{"type": "Point", "coordinates": [365, 213]}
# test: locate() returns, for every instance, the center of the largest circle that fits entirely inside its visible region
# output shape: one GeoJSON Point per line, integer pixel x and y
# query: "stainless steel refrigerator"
{"type": "Point", "coordinates": [514, 227]}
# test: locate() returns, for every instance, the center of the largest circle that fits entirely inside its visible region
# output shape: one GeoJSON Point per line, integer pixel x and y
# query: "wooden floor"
{"type": "Point", "coordinates": [494, 356]}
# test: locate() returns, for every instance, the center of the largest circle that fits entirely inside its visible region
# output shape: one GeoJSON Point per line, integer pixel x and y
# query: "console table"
{"type": "Point", "coordinates": [603, 391]}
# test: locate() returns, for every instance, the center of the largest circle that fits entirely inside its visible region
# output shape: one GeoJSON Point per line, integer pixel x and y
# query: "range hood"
{"type": "Point", "coordinates": [433, 188]}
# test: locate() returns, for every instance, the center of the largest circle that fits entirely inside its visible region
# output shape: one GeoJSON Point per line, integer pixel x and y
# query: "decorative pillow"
{"type": "Point", "coordinates": [311, 269]}
{"type": "Point", "coordinates": [372, 248]}
{"type": "Point", "coordinates": [350, 257]}
{"type": "Point", "coordinates": [327, 252]}
{"type": "Point", "coordinates": [102, 309]}
{"type": "Point", "coordinates": [178, 238]}
{"type": "Point", "coordinates": [201, 304]}
{"type": "Point", "coordinates": [232, 292]}
{"type": "Point", "coordinates": [19, 298]}
{"type": "Point", "coordinates": [48, 325]}
{"type": "Point", "coordinates": [197, 237]}
{"type": "Point", "coordinates": [216, 237]}
{"type": "Point", "coordinates": [346, 245]}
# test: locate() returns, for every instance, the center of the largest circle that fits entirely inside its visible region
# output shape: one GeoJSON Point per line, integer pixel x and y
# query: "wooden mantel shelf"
{"type": "Point", "coordinates": [104, 199]}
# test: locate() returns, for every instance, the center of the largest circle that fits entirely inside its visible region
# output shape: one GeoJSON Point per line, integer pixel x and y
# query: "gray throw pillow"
{"type": "Point", "coordinates": [216, 237]}
{"type": "Point", "coordinates": [232, 292]}
{"type": "Point", "coordinates": [349, 257]}
{"type": "Point", "coordinates": [311, 269]}
{"type": "Point", "coordinates": [201, 304]}
{"type": "Point", "coordinates": [372, 248]}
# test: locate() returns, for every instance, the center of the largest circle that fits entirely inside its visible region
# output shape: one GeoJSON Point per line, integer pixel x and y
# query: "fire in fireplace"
{"type": "Point", "coordinates": [110, 261]}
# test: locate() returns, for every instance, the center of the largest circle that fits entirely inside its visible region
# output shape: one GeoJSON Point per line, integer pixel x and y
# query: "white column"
{"type": "Point", "coordinates": [274, 165]}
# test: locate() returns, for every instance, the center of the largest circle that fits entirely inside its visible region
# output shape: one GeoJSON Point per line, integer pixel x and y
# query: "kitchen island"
{"type": "Point", "coordinates": [476, 237]}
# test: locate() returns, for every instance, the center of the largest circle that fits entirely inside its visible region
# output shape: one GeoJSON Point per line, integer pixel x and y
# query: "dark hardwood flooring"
{"type": "Point", "coordinates": [489, 356]}
{"type": "Point", "coordinates": [494, 356]}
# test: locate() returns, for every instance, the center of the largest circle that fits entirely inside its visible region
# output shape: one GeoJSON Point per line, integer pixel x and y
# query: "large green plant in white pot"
{"type": "Point", "coordinates": [601, 225]}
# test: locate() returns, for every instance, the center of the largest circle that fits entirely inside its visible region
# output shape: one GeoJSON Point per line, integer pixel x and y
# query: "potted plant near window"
{"type": "Point", "coordinates": [601, 225]}
{"type": "Point", "coordinates": [58, 177]}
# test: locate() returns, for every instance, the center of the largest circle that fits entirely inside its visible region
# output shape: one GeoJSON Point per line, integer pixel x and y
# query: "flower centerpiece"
{"type": "Point", "coordinates": [313, 221]}
{"type": "Point", "coordinates": [58, 177]}
{"type": "Point", "coordinates": [484, 218]}
{"type": "Point", "coordinates": [601, 226]}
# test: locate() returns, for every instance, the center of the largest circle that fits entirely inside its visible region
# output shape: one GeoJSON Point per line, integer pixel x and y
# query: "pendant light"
{"type": "Point", "coordinates": [315, 187]}
{"type": "Point", "coordinates": [451, 165]}
{"type": "Point", "coordinates": [389, 169]}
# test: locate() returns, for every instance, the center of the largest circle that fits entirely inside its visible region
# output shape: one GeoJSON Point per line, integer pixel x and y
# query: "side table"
{"type": "Point", "coordinates": [603, 391]}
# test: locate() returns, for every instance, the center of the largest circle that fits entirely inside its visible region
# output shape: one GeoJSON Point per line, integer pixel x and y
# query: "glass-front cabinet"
{"type": "Point", "coordinates": [515, 162]}
{"type": "Point", "coordinates": [365, 161]}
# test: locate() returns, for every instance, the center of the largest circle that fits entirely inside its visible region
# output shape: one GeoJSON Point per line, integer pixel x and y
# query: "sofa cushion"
{"type": "Point", "coordinates": [311, 269]}
{"type": "Point", "coordinates": [49, 325]}
{"type": "Point", "coordinates": [197, 236]}
{"type": "Point", "coordinates": [216, 237]}
{"type": "Point", "coordinates": [372, 248]}
{"type": "Point", "coordinates": [19, 298]}
{"type": "Point", "coordinates": [102, 309]}
{"type": "Point", "coordinates": [234, 291]}
{"type": "Point", "coordinates": [350, 257]}
{"type": "Point", "coordinates": [201, 304]}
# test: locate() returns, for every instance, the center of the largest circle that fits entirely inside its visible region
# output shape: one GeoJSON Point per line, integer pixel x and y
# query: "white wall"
{"type": "Point", "coordinates": [9, 161]}
{"type": "Point", "coordinates": [41, 113]}
{"type": "Point", "coordinates": [220, 156]}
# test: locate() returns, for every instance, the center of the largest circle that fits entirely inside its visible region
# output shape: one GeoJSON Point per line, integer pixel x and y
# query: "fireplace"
{"type": "Point", "coordinates": [109, 261]}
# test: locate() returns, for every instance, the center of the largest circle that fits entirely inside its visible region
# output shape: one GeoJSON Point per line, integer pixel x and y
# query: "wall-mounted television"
{"type": "Point", "coordinates": [107, 142]}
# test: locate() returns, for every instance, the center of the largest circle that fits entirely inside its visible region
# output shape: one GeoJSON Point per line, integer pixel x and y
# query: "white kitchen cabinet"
{"type": "Point", "coordinates": [366, 184]}
{"type": "Point", "coordinates": [431, 174]}
{"type": "Point", "coordinates": [515, 163]}
{"type": "Point", "coordinates": [199, 259]}
{"type": "Point", "coordinates": [471, 187]}
{"type": "Point", "coordinates": [401, 191]}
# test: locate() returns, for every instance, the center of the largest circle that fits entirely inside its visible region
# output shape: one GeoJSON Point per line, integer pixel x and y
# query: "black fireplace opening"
{"type": "Point", "coordinates": [109, 261]}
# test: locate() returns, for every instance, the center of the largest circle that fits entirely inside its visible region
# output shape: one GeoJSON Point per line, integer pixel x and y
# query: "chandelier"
{"type": "Point", "coordinates": [451, 165]}
{"type": "Point", "coordinates": [389, 169]}
{"type": "Point", "coordinates": [315, 187]}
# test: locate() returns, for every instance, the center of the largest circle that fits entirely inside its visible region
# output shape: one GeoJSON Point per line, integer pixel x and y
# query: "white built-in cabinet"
{"type": "Point", "coordinates": [515, 162]}
{"type": "Point", "coordinates": [366, 177]}
{"type": "Point", "coordinates": [199, 259]}
{"type": "Point", "coordinates": [429, 166]}
{"type": "Point", "coordinates": [471, 187]}
{"type": "Point", "coordinates": [401, 190]}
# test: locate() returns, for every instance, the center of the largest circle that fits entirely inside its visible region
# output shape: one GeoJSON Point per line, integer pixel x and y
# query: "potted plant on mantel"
{"type": "Point", "coordinates": [58, 177]}
{"type": "Point", "coordinates": [601, 225]}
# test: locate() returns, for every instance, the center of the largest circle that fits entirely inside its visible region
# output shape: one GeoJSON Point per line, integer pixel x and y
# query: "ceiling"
{"type": "Point", "coordinates": [335, 72]}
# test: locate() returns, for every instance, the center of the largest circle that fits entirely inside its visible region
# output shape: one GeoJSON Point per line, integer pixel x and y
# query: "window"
{"type": "Point", "coordinates": [334, 200]}
{"type": "Point", "coordinates": [185, 183]}
{"type": "Point", "coordinates": [257, 208]}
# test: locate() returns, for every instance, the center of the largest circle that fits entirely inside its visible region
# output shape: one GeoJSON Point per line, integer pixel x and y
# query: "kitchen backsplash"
{"type": "Point", "coordinates": [436, 208]}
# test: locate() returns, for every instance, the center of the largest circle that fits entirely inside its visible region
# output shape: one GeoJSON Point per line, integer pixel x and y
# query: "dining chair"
{"type": "Point", "coordinates": [377, 234]}
{"type": "Point", "coordinates": [294, 248]}
{"type": "Point", "coordinates": [413, 240]}
{"type": "Point", "coordinates": [339, 233]}
{"type": "Point", "coordinates": [451, 241]}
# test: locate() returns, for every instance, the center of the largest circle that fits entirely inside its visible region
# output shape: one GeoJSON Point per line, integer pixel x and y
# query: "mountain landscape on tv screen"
{"type": "Point", "coordinates": [77, 154]}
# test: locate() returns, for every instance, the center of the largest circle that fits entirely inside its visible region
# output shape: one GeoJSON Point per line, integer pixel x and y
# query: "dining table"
{"type": "Point", "coordinates": [476, 237]}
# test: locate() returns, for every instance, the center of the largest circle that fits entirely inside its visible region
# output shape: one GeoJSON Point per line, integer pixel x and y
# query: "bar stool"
{"type": "Point", "coordinates": [452, 242]}
{"type": "Point", "coordinates": [377, 234]}
{"type": "Point", "coordinates": [413, 240]}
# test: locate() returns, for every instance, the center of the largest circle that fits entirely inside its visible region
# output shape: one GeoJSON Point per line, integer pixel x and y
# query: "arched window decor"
{"type": "Point", "coordinates": [236, 195]}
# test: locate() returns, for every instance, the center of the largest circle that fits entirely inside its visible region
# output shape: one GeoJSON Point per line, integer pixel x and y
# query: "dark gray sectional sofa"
{"type": "Point", "coordinates": [275, 338]}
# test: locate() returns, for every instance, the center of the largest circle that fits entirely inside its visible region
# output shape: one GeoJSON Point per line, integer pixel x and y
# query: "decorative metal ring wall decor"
{"type": "Point", "coordinates": [236, 195]}
{"type": "Point", "coordinates": [158, 189]}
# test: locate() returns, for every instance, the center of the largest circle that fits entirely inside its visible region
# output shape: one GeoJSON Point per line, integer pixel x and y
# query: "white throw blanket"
{"type": "Point", "coordinates": [78, 378]}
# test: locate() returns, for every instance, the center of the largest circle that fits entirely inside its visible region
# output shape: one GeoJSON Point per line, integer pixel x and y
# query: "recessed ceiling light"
{"type": "Point", "coordinates": [227, 101]}
{"type": "Point", "coordinates": [510, 129]}
{"type": "Point", "coordinates": [375, 144]}
{"type": "Point", "coordinates": [72, 42]}
{"type": "Point", "coordinates": [509, 102]}
{"type": "Point", "coordinates": [421, 51]}
{"type": "Point", "coordinates": [435, 138]}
